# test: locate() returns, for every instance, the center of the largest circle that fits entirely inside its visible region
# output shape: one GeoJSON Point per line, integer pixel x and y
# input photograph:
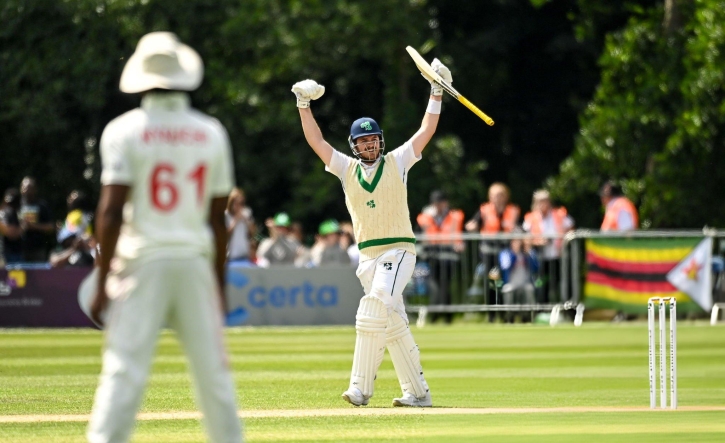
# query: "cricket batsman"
{"type": "Point", "coordinates": [167, 172]}
{"type": "Point", "coordinates": [377, 199]}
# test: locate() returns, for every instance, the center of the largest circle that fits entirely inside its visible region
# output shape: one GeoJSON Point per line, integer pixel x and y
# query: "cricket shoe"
{"type": "Point", "coordinates": [355, 397]}
{"type": "Point", "coordinates": [410, 400]}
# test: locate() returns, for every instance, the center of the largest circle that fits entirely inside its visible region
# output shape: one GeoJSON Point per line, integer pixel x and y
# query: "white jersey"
{"type": "Point", "coordinates": [404, 156]}
{"type": "Point", "coordinates": [175, 160]}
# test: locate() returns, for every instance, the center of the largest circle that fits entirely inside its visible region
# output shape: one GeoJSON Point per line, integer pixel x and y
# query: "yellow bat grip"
{"type": "Point", "coordinates": [475, 110]}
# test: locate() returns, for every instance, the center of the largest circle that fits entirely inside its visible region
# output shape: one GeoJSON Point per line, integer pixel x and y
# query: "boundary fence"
{"type": "Point", "coordinates": [468, 267]}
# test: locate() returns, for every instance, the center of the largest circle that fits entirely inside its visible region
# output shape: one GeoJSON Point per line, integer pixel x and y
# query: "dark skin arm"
{"type": "Point", "coordinates": [9, 231]}
{"type": "Point", "coordinates": [219, 229]}
{"type": "Point", "coordinates": [46, 228]}
{"type": "Point", "coordinates": [109, 218]}
{"type": "Point", "coordinates": [59, 259]}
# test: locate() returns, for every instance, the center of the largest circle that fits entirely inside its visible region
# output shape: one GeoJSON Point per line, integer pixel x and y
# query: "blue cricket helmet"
{"type": "Point", "coordinates": [362, 127]}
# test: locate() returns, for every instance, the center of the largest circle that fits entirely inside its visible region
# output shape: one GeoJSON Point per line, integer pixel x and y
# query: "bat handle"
{"type": "Point", "coordinates": [475, 110]}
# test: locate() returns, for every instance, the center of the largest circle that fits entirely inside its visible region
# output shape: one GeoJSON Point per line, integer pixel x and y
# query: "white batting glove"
{"type": "Point", "coordinates": [444, 72]}
{"type": "Point", "coordinates": [307, 90]}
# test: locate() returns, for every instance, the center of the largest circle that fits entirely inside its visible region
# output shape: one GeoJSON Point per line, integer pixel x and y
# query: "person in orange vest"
{"type": "Point", "coordinates": [442, 255]}
{"type": "Point", "coordinates": [439, 219]}
{"type": "Point", "coordinates": [495, 216]}
{"type": "Point", "coordinates": [620, 214]}
{"type": "Point", "coordinates": [498, 215]}
{"type": "Point", "coordinates": [545, 220]}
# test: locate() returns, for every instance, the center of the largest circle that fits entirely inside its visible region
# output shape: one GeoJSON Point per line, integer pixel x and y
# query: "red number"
{"type": "Point", "coordinates": [198, 176]}
{"type": "Point", "coordinates": [159, 184]}
{"type": "Point", "coordinates": [165, 194]}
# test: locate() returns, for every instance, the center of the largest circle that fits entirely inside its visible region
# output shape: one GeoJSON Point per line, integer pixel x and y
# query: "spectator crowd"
{"type": "Point", "coordinates": [31, 235]}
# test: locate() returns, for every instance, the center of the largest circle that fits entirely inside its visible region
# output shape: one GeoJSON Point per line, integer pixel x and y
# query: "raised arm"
{"type": "Point", "coordinates": [427, 128]}
{"type": "Point", "coordinates": [313, 135]}
{"type": "Point", "coordinates": [432, 113]}
{"type": "Point", "coordinates": [305, 91]}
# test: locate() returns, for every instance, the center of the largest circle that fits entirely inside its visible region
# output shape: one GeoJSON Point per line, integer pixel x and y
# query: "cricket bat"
{"type": "Point", "coordinates": [430, 74]}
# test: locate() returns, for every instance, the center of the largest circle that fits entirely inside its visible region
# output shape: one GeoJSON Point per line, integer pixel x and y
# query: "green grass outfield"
{"type": "Point", "coordinates": [527, 383]}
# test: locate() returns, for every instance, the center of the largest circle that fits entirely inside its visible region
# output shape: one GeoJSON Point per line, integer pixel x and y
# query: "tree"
{"type": "Point", "coordinates": [531, 64]}
{"type": "Point", "coordinates": [655, 121]}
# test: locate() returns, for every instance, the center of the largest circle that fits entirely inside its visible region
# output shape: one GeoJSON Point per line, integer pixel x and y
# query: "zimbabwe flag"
{"type": "Point", "coordinates": [623, 274]}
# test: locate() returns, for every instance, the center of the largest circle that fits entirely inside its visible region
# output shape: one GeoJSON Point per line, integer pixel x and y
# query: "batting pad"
{"type": "Point", "coordinates": [406, 356]}
{"type": "Point", "coordinates": [372, 316]}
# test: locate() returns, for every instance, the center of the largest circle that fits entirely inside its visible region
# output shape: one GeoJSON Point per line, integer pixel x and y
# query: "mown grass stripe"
{"type": "Point", "coordinates": [353, 412]}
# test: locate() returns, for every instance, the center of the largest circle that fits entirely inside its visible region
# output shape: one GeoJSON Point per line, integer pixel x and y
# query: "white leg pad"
{"type": "Point", "coordinates": [406, 357]}
{"type": "Point", "coordinates": [372, 316]}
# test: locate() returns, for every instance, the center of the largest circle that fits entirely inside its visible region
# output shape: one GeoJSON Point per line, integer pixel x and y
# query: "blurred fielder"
{"type": "Point", "coordinates": [167, 172]}
{"type": "Point", "coordinates": [377, 199]}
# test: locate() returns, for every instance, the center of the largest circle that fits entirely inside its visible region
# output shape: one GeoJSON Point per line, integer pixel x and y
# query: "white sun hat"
{"type": "Point", "coordinates": [162, 61]}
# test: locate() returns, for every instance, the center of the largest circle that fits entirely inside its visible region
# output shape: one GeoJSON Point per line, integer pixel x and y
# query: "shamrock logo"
{"type": "Point", "coordinates": [371, 204]}
{"type": "Point", "coordinates": [366, 126]}
{"type": "Point", "coordinates": [388, 266]}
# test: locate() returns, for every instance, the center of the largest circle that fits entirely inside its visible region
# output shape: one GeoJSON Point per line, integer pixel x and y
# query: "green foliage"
{"type": "Point", "coordinates": [60, 62]}
{"type": "Point", "coordinates": [450, 172]}
{"type": "Point", "coordinates": [656, 120]}
{"type": "Point", "coordinates": [594, 19]}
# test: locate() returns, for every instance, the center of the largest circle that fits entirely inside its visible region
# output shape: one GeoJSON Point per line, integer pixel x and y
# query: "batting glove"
{"type": "Point", "coordinates": [444, 72]}
{"type": "Point", "coordinates": [307, 90]}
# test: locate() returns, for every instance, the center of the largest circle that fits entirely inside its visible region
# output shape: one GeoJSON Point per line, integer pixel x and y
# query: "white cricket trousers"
{"type": "Point", "coordinates": [385, 277]}
{"type": "Point", "coordinates": [180, 293]}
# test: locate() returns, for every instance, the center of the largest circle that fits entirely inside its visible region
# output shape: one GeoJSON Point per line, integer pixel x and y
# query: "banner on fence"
{"type": "Point", "coordinates": [41, 298]}
{"type": "Point", "coordinates": [623, 274]}
{"type": "Point", "coordinates": [293, 296]}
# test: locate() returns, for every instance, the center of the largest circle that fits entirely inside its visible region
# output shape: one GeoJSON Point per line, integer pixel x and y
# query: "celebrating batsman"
{"type": "Point", "coordinates": [377, 199]}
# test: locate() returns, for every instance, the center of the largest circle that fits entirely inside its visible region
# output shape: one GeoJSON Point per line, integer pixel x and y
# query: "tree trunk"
{"type": "Point", "coordinates": [673, 20]}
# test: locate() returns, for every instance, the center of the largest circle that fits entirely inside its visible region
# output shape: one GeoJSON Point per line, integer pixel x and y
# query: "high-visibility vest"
{"type": "Point", "coordinates": [491, 223]}
{"type": "Point", "coordinates": [611, 216]}
{"type": "Point", "coordinates": [452, 224]}
{"type": "Point", "coordinates": [535, 220]}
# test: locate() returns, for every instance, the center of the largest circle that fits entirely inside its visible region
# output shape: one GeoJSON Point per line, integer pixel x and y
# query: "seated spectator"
{"type": "Point", "coordinates": [439, 219]}
{"type": "Point", "coordinates": [348, 243]}
{"type": "Point", "coordinates": [332, 253]}
{"type": "Point", "coordinates": [297, 233]}
{"type": "Point", "coordinates": [10, 227]}
{"type": "Point", "coordinates": [518, 265]}
{"type": "Point", "coordinates": [442, 255]}
{"type": "Point", "coordinates": [269, 224]}
{"type": "Point", "coordinates": [280, 248]}
{"type": "Point", "coordinates": [80, 214]}
{"type": "Point", "coordinates": [76, 249]}
{"type": "Point", "coordinates": [620, 213]}
{"type": "Point", "coordinates": [495, 216]}
{"type": "Point", "coordinates": [36, 222]}
{"type": "Point", "coordinates": [240, 226]}
{"type": "Point", "coordinates": [545, 220]}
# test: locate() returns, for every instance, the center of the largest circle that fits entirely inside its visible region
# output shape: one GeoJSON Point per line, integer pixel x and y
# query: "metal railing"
{"type": "Point", "coordinates": [471, 290]}
{"type": "Point", "coordinates": [464, 275]}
